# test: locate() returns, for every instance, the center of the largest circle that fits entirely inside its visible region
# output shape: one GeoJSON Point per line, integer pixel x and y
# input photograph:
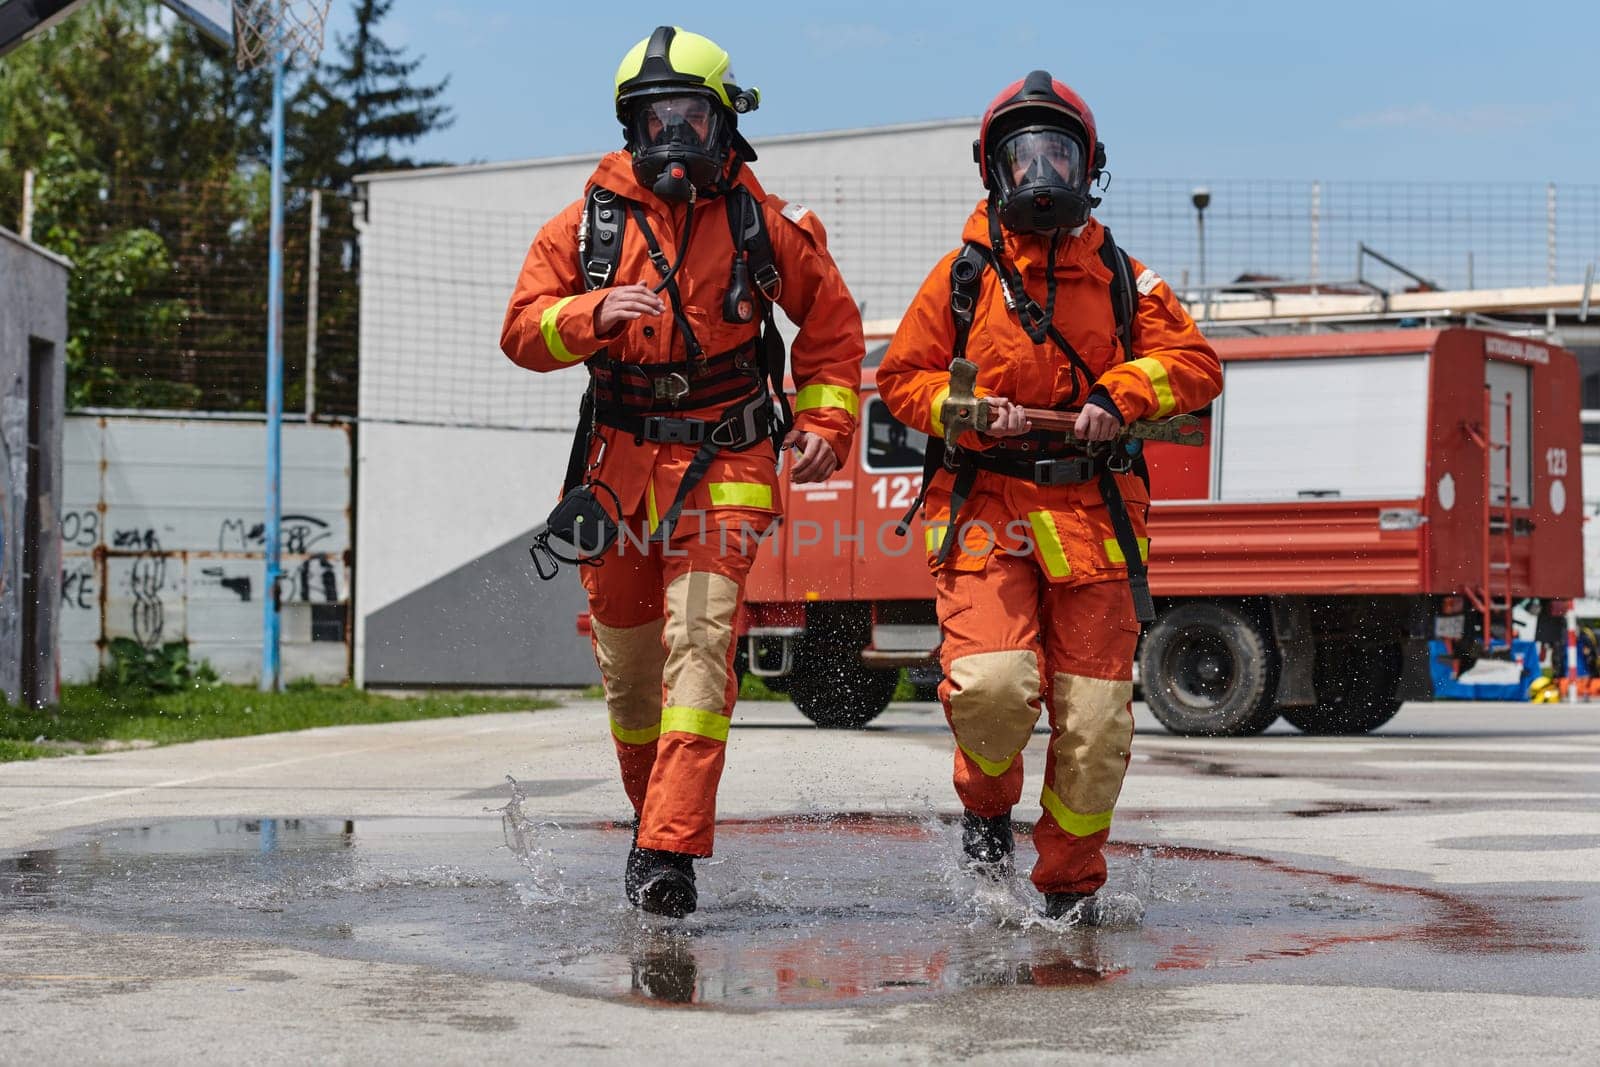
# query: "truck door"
{"type": "Point", "coordinates": [888, 481]}
{"type": "Point", "coordinates": [1508, 384]}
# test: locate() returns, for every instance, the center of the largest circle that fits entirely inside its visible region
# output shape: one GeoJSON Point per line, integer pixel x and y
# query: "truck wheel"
{"type": "Point", "coordinates": [1355, 689]}
{"type": "Point", "coordinates": [741, 666]}
{"type": "Point", "coordinates": [835, 690]}
{"type": "Point", "coordinates": [1208, 670]}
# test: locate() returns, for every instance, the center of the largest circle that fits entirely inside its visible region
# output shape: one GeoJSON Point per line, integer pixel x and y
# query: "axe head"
{"type": "Point", "coordinates": [962, 410]}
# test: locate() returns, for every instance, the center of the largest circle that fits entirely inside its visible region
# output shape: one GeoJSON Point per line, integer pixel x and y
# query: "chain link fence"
{"type": "Point", "coordinates": [438, 277]}
{"type": "Point", "coordinates": [192, 334]}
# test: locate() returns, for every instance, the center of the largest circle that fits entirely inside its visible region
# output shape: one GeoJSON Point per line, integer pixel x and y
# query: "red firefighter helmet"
{"type": "Point", "coordinates": [1038, 154]}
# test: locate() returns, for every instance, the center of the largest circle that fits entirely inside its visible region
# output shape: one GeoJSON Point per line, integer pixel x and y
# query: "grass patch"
{"type": "Point", "coordinates": [90, 714]}
{"type": "Point", "coordinates": [15, 750]}
{"type": "Point", "coordinates": [753, 688]}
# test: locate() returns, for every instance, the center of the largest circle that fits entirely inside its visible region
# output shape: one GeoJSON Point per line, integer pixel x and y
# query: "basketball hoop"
{"type": "Point", "coordinates": [296, 26]}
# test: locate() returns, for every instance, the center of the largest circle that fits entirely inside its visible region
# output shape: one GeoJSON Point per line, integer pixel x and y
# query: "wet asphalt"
{"type": "Point", "coordinates": [1428, 893]}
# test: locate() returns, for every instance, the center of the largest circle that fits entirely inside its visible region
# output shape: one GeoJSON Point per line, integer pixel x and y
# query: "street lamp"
{"type": "Point", "coordinates": [1201, 199]}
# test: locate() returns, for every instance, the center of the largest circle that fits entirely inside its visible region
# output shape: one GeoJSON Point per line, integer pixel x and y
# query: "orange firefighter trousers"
{"type": "Point", "coordinates": [661, 619]}
{"type": "Point", "coordinates": [1014, 643]}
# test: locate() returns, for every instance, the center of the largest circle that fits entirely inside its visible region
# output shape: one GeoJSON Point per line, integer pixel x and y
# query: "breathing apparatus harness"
{"type": "Point", "coordinates": [638, 398]}
{"type": "Point", "coordinates": [1039, 457]}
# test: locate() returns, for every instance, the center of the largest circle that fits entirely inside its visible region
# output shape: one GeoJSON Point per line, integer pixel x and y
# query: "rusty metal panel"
{"type": "Point", "coordinates": [163, 534]}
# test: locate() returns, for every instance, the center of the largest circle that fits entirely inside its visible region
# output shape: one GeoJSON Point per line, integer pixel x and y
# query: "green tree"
{"type": "Point", "coordinates": [124, 124]}
{"type": "Point", "coordinates": [364, 109]}
{"type": "Point", "coordinates": [150, 155]}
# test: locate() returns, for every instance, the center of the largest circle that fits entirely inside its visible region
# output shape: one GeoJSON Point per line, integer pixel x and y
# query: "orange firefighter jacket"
{"type": "Point", "coordinates": [550, 325]}
{"type": "Point", "coordinates": [1174, 370]}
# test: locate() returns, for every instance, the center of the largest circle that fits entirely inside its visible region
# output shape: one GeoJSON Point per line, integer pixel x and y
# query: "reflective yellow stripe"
{"type": "Point", "coordinates": [1157, 374]}
{"type": "Point", "coordinates": [987, 766]}
{"type": "Point", "coordinates": [1073, 823]}
{"type": "Point", "coordinates": [937, 414]}
{"type": "Point", "coordinates": [1049, 542]}
{"type": "Point", "coordinates": [552, 336]}
{"type": "Point", "coordinates": [678, 719]}
{"type": "Point", "coordinates": [935, 535]}
{"type": "Point", "coordinates": [650, 511]}
{"type": "Point", "coordinates": [1114, 550]}
{"type": "Point", "coordinates": [827, 396]}
{"type": "Point", "coordinates": [740, 495]}
{"type": "Point", "coordinates": [642, 736]}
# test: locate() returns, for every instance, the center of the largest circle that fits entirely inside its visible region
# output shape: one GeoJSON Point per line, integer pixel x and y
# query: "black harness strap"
{"type": "Point", "coordinates": [1123, 299]}
{"type": "Point", "coordinates": [580, 441]}
{"type": "Point", "coordinates": [966, 283]}
{"type": "Point", "coordinates": [1144, 608]}
{"type": "Point", "coordinates": [965, 286]}
{"type": "Point", "coordinates": [753, 261]}
{"type": "Point", "coordinates": [691, 344]}
{"type": "Point", "coordinates": [599, 248]}
{"type": "Point", "coordinates": [753, 416]}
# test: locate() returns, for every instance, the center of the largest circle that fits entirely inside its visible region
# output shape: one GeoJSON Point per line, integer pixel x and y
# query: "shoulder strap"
{"type": "Point", "coordinates": [753, 261]}
{"type": "Point", "coordinates": [1123, 300]}
{"type": "Point", "coordinates": [600, 236]}
{"type": "Point", "coordinates": [966, 282]}
{"type": "Point", "coordinates": [599, 250]}
{"type": "Point", "coordinates": [748, 225]}
{"type": "Point", "coordinates": [1124, 306]}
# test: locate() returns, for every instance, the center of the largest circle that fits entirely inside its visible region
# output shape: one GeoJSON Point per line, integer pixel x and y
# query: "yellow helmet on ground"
{"type": "Point", "coordinates": [679, 105]}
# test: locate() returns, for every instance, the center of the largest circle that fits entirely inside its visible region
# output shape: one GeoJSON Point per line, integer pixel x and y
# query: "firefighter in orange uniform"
{"type": "Point", "coordinates": [1030, 537]}
{"type": "Point", "coordinates": [661, 282]}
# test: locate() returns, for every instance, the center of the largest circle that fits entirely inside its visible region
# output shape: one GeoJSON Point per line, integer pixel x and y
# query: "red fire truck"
{"type": "Point", "coordinates": [1360, 494]}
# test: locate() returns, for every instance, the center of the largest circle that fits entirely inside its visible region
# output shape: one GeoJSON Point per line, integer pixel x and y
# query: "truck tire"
{"type": "Point", "coordinates": [1208, 670]}
{"type": "Point", "coordinates": [835, 690]}
{"type": "Point", "coordinates": [1356, 687]}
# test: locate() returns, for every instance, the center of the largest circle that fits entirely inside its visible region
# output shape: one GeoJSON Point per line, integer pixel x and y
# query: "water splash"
{"type": "Point", "coordinates": [535, 844]}
{"type": "Point", "coordinates": [814, 911]}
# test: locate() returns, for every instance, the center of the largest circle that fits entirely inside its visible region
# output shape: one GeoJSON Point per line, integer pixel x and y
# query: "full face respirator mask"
{"type": "Point", "coordinates": [679, 145]}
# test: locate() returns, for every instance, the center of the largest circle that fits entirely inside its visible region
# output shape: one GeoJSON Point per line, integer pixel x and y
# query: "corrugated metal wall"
{"type": "Point", "coordinates": [161, 527]}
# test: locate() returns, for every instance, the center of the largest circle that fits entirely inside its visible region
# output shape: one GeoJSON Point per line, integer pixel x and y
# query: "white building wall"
{"type": "Point", "coordinates": [461, 453]}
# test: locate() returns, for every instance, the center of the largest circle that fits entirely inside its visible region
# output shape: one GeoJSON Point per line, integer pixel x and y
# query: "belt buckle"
{"type": "Point", "coordinates": [662, 430]}
{"type": "Point", "coordinates": [671, 387]}
{"type": "Point", "coordinates": [1061, 471]}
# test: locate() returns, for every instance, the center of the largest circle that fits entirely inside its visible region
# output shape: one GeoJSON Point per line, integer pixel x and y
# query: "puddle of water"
{"type": "Point", "coordinates": [795, 911]}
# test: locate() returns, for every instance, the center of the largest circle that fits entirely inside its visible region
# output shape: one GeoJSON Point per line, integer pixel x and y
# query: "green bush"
{"type": "Point", "coordinates": [168, 669]}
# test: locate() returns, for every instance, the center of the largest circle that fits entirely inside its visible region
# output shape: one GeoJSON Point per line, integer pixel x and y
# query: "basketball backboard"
{"type": "Point", "coordinates": [214, 18]}
{"type": "Point", "coordinates": [22, 19]}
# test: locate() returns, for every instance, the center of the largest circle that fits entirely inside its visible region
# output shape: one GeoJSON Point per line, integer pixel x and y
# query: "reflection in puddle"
{"type": "Point", "coordinates": [817, 911]}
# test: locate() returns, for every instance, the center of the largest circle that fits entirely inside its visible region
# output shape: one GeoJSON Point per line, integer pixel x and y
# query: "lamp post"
{"type": "Point", "coordinates": [1201, 199]}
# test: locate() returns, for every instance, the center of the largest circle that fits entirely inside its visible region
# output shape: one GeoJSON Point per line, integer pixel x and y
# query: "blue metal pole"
{"type": "Point", "coordinates": [270, 668]}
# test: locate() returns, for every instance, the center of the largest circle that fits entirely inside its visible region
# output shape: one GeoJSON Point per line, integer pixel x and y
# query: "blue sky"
{"type": "Point", "coordinates": [1403, 90]}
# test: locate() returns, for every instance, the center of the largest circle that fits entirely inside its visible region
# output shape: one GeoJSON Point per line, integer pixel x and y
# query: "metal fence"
{"type": "Point", "coordinates": [438, 277]}
{"type": "Point", "coordinates": [192, 336]}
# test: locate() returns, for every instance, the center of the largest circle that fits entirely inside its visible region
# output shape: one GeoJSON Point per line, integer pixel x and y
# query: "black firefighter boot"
{"type": "Point", "coordinates": [658, 881]}
{"type": "Point", "coordinates": [1078, 907]}
{"type": "Point", "coordinates": [987, 842]}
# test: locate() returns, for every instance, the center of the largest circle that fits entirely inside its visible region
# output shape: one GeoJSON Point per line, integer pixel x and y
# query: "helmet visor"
{"type": "Point", "coordinates": [1040, 156]}
{"type": "Point", "coordinates": [690, 121]}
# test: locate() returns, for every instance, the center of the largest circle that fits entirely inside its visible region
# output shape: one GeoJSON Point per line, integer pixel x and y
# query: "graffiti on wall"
{"type": "Point", "coordinates": [163, 541]}
{"type": "Point", "coordinates": [315, 578]}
